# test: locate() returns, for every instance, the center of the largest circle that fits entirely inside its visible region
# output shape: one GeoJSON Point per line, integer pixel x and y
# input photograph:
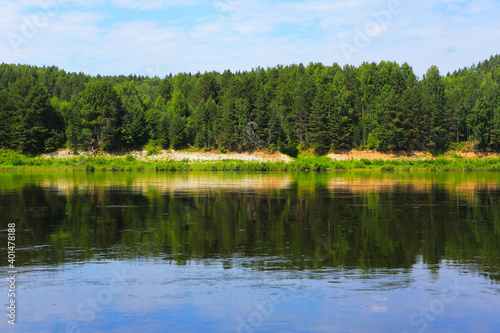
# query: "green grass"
{"type": "Point", "coordinates": [12, 160]}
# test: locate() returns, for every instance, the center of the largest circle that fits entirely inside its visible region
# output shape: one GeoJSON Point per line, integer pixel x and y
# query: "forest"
{"type": "Point", "coordinates": [378, 106]}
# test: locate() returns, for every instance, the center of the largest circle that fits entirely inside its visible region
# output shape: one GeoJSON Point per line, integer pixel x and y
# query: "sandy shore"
{"type": "Point", "coordinates": [164, 155]}
{"type": "Point", "coordinates": [375, 155]}
{"type": "Point", "coordinates": [354, 154]}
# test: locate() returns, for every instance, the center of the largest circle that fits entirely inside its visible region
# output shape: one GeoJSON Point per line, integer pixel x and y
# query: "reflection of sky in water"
{"type": "Point", "coordinates": [160, 297]}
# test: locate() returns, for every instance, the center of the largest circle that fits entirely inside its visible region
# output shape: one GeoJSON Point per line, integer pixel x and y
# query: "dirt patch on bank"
{"type": "Point", "coordinates": [375, 155]}
{"type": "Point", "coordinates": [210, 156]}
{"type": "Point", "coordinates": [165, 155]}
{"type": "Point", "coordinates": [260, 156]}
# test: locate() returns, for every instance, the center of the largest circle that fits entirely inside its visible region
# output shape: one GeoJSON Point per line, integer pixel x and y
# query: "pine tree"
{"type": "Point", "coordinates": [178, 111]}
{"type": "Point", "coordinates": [35, 121]}
{"type": "Point", "coordinates": [435, 90]}
{"type": "Point", "coordinates": [6, 121]}
{"type": "Point", "coordinates": [318, 123]}
{"type": "Point", "coordinates": [134, 133]}
{"type": "Point", "coordinates": [102, 116]}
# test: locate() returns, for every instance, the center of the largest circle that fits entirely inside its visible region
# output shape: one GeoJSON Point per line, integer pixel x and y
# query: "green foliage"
{"type": "Point", "coordinates": [152, 150]}
{"type": "Point", "coordinates": [6, 120]}
{"type": "Point", "coordinates": [134, 131]}
{"type": "Point", "coordinates": [102, 114]}
{"type": "Point", "coordinates": [13, 158]}
{"type": "Point", "coordinates": [380, 106]}
{"type": "Point", "coordinates": [178, 111]}
{"type": "Point", "coordinates": [203, 123]}
{"type": "Point", "coordinates": [290, 149]}
{"type": "Point", "coordinates": [31, 122]}
{"type": "Point", "coordinates": [312, 164]}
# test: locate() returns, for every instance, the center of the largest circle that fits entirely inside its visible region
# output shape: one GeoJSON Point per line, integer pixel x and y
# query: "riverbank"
{"type": "Point", "coordinates": [179, 155]}
{"type": "Point", "coordinates": [412, 155]}
{"type": "Point", "coordinates": [257, 161]}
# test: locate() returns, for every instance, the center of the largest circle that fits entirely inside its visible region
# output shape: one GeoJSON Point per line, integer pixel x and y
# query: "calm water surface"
{"type": "Point", "coordinates": [253, 252]}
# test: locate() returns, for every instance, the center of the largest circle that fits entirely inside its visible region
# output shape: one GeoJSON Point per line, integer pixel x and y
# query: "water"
{"type": "Point", "coordinates": [253, 252]}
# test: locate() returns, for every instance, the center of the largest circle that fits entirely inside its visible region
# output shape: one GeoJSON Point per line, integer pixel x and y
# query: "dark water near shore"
{"type": "Point", "coordinates": [253, 252]}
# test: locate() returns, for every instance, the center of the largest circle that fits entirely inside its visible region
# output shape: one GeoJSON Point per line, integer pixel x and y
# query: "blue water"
{"type": "Point", "coordinates": [252, 253]}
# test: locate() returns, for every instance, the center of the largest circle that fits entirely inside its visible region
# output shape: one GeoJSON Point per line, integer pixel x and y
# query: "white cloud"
{"type": "Point", "coordinates": [376, 30]}
{"type": "Point", "coordinates": [321, 6]}
{"type": "Point", "coordinates": [378, 308]}
{"type": "Point", "coordinates": [85, 37]}
{"type": "Point", "coordinates": [131, 4]}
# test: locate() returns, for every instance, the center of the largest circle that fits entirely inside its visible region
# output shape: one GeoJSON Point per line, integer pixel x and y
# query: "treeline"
{"type": "Point", "coordinates": [382, 106]}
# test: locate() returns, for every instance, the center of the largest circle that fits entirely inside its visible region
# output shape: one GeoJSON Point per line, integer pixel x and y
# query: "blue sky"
{"type": "Point", "coordinates": [158, 37]}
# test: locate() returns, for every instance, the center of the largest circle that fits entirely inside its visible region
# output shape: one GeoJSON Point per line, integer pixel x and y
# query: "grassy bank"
{"type": "Point", "coordinates": [11, 160]}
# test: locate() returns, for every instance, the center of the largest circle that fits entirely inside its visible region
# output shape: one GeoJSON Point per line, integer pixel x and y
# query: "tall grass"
{"type": "Point", "coordinates": [10, 159]}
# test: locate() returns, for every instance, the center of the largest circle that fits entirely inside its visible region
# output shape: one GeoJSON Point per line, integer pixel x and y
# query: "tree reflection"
{"type": "Point", "coordinates": [300, 224]}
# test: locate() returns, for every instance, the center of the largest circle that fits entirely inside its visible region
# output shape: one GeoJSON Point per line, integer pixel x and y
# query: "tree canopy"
{"type": "Point", "coordinates": [382, 106]}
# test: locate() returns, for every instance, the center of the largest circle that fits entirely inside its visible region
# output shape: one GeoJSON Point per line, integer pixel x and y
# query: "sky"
{"type": "Point", "coordinates": [159, 37]}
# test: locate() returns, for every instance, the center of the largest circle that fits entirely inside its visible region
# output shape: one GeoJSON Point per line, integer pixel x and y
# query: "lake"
{"type": "Point", "coordinates": [252, 252]}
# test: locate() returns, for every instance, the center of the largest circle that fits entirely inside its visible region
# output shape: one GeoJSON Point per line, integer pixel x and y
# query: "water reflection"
{"type": "Point", "coordinates": [266, 221]}
{"type": "Point", "coordinates": [254, 252]}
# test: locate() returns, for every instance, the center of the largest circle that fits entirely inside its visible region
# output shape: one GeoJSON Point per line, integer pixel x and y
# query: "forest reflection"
{"type": "Point", "coordinates": [260, 220]}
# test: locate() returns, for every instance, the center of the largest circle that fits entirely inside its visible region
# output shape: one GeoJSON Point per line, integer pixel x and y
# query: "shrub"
{"type": "Point", "coordinates": [152, 150]}
{"type": "Point", "coordinates": [289, 149]}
